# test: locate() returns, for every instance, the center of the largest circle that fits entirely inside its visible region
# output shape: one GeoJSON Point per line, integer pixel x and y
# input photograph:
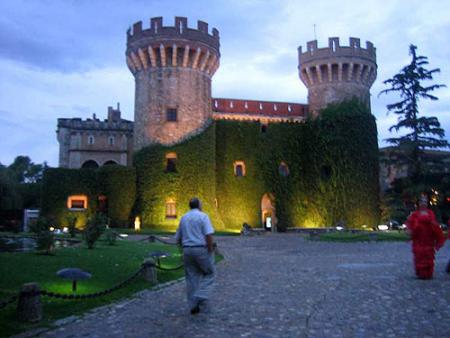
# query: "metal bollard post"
{"type": "Point", "coordinates": [149, 273]}
{"type": "Point", "coordinates": [29, 307]}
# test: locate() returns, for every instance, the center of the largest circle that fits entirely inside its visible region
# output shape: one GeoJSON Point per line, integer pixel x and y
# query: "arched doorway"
{"type": "Point", "coordinates": [268, 215]}
{"type": "Point", "coordinates": [110, 162]}
{"type": "Point", "coordinates": [90, 164]}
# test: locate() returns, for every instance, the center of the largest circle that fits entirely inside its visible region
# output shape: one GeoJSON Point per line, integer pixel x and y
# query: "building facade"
{"type": "Point", "coordinates": [271, 164]}
{"type": "Point", "coordinates": [93, 143]}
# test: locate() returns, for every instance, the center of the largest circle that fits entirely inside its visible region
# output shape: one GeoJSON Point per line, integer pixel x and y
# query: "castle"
{"type": "Point", "coordinates": [265, 163]}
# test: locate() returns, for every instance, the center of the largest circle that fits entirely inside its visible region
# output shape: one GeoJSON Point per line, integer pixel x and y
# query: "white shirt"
{"type": "Point", "coordinates": [193, 228]}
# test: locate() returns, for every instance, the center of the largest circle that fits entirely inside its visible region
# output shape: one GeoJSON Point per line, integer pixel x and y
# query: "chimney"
{"type": "Point", "coordinates": [113, 114]}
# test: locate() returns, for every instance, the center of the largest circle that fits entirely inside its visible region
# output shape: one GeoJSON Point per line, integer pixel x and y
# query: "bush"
{"type": "Point", "coordinates": [94, 229]}
{"type": "Point", "coordinates": [39, 226]}
{"type": "Point", "coordinates": [71, 224]}
{"type": "Point", "coordinates": [45, 242]}
{"type": "Point", "coordinates": [45, 239]}
{"type": "Point", "coordinates": [110, 236]}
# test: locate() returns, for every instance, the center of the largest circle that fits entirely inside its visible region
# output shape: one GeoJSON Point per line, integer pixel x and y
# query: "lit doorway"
{"type": "Point", "coordinates": [268, 215]}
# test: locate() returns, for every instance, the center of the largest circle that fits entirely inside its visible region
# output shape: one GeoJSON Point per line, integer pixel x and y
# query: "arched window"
{"type": "Point", "coordinates": [283, 169]}
{"type": "Point", "coordinates": [90, 164]}
{"type": "Point", "coordinates": [171, 208]}
{"type": "Point", "coordinates": [171, 162]}
{"type": "Point", "coordinates": [77, 202]}
{"type": "Point", "coordinates": [91, 139]}
{"type": "Point", "coordinates": [239, 168]}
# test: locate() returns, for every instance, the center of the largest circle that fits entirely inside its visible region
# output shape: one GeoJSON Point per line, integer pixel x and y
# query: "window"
{"type": "Point", "coordinates": [111, 140]}
{"type": "Point", "coordinates": [91, 139]}
{"type": "Point", "coordinates": [171, 114]}
{"type": "Point", "coordinates": [77, 202]}
{"type": "Point", "coordinates": [171, 208]}
{"type": "Point", "coordinates": [102, 204]}
{"type": "Point", "coordinates": [239, 169]}
{"type": "Point", "coordinates": [326, 172]}
{"type": "Point", "coordinates": [171, 163]}
{"type": "Point", "coordinates": [283, 169]}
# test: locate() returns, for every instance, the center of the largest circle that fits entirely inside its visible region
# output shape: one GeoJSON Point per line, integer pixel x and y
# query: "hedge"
{"type": "Point", "coordinates": [117, 183]}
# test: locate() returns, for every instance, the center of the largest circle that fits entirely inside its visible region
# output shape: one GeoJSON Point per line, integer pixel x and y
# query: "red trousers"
{"type": "Point", "coordinates": [424, 261]}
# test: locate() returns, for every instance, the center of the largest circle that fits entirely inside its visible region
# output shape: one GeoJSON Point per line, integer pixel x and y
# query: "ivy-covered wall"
{"type": "Point", "coordinates": [239, 198]}
{"type": "Point", "coordinates": [194, 176]}
{"type": "Point", "coordinates": [117, 183]}
{"type": "Point", "coordinates": [332, 176]}
{"type": "Point", "coordinates": [333, 172]}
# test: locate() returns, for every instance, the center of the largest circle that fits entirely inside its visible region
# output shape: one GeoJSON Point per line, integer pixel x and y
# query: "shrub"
{"type": "Point", "coordinates": [94, 229]}
{"type": "Point", "coordinates": [45, 239]}
{"type": "Point", "coordinates": [45, 242]}
{"type": "Point", "coordinates": [71, 224]}
{"type": "Point", "coordinates": [110, 236]}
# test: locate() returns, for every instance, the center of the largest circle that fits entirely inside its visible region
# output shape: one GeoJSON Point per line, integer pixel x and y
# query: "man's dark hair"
{"type": "Point", "coordinates": [194, 203]}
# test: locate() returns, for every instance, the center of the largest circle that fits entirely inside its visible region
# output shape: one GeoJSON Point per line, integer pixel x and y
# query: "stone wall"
{"type": "Point", "coordinates": [184, 89]}
{"type": "Point", "coordinates": [95, 140]}
{"type": "Point", "coordinates": [173, 67]}
{"type": "Point", "coordinates": [337, 73]}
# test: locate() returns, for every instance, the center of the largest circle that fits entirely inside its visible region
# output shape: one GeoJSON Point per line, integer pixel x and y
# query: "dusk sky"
{"type": "Point", "coordinates": [67, 58]}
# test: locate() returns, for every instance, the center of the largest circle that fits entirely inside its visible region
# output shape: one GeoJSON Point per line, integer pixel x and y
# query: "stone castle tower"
{"type": "Point", "coordinates": [173, 67]}
{"type": "Point", "coordinates": [337, 73]}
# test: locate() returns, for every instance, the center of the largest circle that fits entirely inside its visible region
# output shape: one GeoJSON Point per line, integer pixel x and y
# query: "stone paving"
{"type": "Point", "coordinates": [281, 285]}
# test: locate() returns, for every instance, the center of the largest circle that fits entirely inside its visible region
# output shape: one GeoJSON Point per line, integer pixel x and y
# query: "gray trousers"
{"type": "Point", "coordinates": [200, 273]}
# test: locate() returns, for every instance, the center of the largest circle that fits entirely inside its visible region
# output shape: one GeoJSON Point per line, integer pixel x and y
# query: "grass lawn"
{"type": "Point", "coordinates": [344, 236]}
{"type": "Point", "coordinates": [109, 266]}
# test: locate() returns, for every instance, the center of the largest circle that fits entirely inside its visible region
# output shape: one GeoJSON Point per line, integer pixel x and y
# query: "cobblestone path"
{"type": "Point", "coordinates": [280, 285]}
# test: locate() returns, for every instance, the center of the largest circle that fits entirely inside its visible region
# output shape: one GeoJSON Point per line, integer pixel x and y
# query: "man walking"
{"type": "Point", "coordinates": [194, 234]}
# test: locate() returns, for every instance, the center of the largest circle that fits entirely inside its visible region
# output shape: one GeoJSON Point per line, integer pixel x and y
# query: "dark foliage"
{"type": "Point", "coordinates": [423, 132]}
{"type": "Point", "coordinates": [94, 229]}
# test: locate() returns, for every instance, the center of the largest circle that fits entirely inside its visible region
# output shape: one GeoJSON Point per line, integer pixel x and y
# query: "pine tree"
{"type": "Point", "coordinates": [425, 132]}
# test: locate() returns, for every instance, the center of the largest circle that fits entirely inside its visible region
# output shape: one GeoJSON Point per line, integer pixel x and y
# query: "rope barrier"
{"type": "Point", "coordinates": [5, 303]}
{"type": "Point", "coordinates": [51, 294]}
{"type": "Point", "coordinates": [85, 296]}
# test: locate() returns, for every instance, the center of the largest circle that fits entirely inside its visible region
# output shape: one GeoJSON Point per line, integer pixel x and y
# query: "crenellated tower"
{"type": "Point", "coordinates": [337, 73]}
{"type": "Point", "coordinates": [173, 67]}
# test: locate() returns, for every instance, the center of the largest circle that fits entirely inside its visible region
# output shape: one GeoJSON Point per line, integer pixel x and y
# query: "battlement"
{"type": "Point", "coordinates": [335, 50]}
{"type": "Point", "coordinates": [173, 46]}
{"type": "Point", "coordinates": [113, 122]}
{"type": "Point", "coordinates": [252, 110]}
{"type": "Point", "coordinates": [158, 32]}
{"type": "Point", "coordinates": [337, 73]}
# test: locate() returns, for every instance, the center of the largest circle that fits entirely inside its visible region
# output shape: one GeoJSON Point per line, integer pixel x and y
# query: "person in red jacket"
{"type": "Point", "coordinates": [427, 237]}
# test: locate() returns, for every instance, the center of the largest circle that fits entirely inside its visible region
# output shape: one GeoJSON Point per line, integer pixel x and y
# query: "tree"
{"type": "Point", "coordinates": [20, 184]}
{"type": "Point", "coordinates": [25, 171]}
{"type": "Point", "coordinates": [425, 132]}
